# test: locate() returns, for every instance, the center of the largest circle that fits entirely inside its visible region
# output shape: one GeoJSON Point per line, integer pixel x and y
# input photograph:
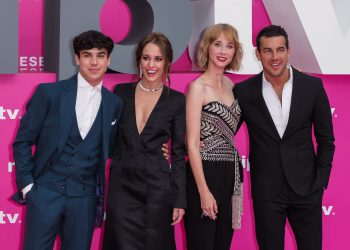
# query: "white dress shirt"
{"type": "Point", "coordinates": [279, 111]}
{"type": "Point", "coordinates": [87, 104]}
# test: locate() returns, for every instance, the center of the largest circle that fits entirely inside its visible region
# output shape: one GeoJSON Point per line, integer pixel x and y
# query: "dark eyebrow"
{"type": "Point", "coordinates": [86, 52]}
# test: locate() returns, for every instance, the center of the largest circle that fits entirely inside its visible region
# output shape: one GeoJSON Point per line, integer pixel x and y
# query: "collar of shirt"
{"type": "Point", "coordinates": [87, 104]}
{"type": "Point", "coordinates": [279, 111]}
{"type": "Point", "coordinates": [289, 82]}
{"type": "Point", "coordinates": [82, 83]}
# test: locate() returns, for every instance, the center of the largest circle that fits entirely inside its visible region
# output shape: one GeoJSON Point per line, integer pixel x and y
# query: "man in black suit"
{"type": "Point", "coordinates": [72, 124]}
{"type": "Point", "coordinates": [281, 107]}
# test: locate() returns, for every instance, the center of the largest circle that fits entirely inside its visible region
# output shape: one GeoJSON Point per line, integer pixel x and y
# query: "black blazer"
{"type": "Point", "coordinates": [167, 121]}
{"type": "Point", "coordinates": [293, 156]}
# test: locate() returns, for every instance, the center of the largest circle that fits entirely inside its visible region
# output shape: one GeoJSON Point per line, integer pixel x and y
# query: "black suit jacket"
{"type": "Point", "coordinates": [166, 121]}
{"type": "Point", "coordinates": [293, 156]}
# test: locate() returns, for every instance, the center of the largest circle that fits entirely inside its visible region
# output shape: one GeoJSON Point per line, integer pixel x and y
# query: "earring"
{"type": "Point", "coordinates": [167, 78]}
{"type": "Point", "coordinates": [140, 73]}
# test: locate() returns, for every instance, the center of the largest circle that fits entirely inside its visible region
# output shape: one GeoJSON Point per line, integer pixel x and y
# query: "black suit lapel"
{"type": "Point", "coordinates": [132, 90]}
{"type": "Point", "coordinates": [151, 119]}
{"type": "Point", "coordinates": [262, 107]}
{"type": "Point", "coordinates": [295, 105]}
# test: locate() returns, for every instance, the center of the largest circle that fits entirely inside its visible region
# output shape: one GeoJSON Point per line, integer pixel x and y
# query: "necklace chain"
{"type": "Point", "coordinates": [150, 90]}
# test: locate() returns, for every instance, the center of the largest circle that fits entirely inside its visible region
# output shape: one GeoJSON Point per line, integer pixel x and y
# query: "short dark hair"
{"type": "Point", "coordinates": [92, 39]}
{"type": "Point", "coordinates": [272, 31]}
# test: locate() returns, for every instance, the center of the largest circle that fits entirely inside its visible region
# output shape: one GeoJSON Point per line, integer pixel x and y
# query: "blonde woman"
{"type": "Point", "coordinates": [214, 180]}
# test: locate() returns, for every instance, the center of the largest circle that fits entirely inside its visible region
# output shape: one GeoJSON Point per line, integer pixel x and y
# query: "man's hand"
{"type": "Point", "coordinates": [26, 189]}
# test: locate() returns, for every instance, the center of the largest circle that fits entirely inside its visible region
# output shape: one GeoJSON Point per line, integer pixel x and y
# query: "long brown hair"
{"type": "Point", "coordinates": [165, 47]}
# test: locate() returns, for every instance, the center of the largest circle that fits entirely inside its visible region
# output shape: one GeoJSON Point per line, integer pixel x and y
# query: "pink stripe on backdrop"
{"type": "Point", "coordinates": [30, 33]}
{"type": "Point", "coordinates": [15, 91]}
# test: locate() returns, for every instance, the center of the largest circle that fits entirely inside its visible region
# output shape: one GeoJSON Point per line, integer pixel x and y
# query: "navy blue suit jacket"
{"type": "Point", "coordinates": [46, 125]}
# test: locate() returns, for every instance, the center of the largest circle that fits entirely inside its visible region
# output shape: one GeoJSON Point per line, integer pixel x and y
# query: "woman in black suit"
{"type": "Point", "coordinates": [147, 195]}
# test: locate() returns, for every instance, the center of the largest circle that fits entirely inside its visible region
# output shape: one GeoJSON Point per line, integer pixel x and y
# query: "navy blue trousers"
{"type": "Point", "coordinates": [50, 213]}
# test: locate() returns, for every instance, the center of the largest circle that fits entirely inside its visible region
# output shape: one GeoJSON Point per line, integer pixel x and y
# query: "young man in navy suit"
{"type": "Point", "coordinates": [282, 107]}
{"type": "Point", "coordinates": [72, 124]}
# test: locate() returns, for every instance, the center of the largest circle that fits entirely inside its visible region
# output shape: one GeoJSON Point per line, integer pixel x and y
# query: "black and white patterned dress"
{"type": "Point", "coordinates": [223, 174]}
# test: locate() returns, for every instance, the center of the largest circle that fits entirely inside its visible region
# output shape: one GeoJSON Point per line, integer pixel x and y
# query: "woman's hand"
{"type": "Point", "coordinates": [178, 214]}
{"type": "Point", "coordinates": [165, 149]}
{"type": "Point", "coordinates": [208, 205]}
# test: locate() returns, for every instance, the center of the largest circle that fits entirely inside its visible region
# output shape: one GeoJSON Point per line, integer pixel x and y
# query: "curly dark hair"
{"type": "Point", "coordinates": [92, 39]}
